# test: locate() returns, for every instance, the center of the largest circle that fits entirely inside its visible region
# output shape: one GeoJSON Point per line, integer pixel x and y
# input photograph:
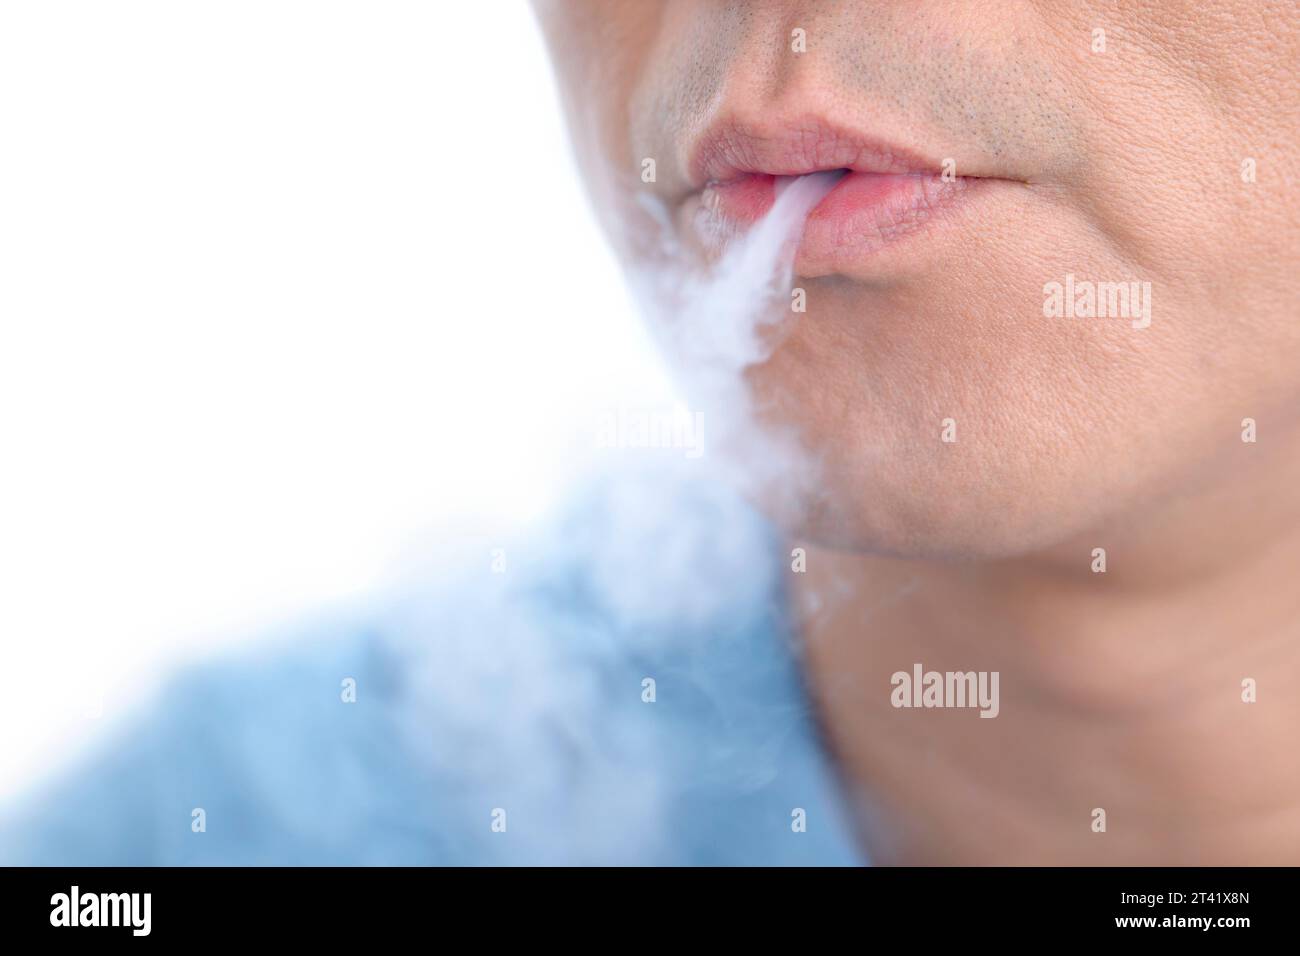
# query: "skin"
{"type": "Point", "coordinates": [1120, 690]}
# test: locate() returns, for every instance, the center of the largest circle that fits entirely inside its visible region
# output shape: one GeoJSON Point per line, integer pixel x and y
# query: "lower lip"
{"type": "Point", "coordinates": [862, 214]}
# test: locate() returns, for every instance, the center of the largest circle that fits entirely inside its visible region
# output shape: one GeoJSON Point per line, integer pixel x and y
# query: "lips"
{"type": "Point", "coordinates": [886, 192]}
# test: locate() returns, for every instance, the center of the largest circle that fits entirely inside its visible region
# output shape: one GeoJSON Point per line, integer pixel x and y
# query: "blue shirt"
{"type": "Point", "coordinates": [624, 689]}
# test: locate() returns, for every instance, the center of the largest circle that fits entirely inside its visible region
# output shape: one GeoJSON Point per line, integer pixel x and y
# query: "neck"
{"type": "Point", "coordinates": [1125, 691]}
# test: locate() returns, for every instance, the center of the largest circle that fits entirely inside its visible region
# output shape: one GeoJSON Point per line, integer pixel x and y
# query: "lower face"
{"type": "Point", "coordinates": [1043, 296]}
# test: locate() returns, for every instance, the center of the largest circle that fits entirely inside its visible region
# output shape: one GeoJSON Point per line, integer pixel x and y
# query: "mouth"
{"type": "Point", "coordinates": [885, 193]}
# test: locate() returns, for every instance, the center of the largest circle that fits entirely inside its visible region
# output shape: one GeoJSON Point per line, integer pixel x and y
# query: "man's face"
{"type": "Point", "coordinates": [1063, 269]}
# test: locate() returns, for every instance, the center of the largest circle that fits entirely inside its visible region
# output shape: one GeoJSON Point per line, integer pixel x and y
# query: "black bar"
{"type": "Point", "coordinates": [328, 905]}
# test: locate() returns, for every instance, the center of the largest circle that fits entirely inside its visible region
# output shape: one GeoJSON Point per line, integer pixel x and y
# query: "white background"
{"type": "Point", "coordinates": [283, 284]}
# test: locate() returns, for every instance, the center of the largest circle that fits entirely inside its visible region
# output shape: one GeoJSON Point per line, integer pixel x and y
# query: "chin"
{"type": "Point", "coordinates": [915, 511]}
{"type": "Point", "coordinates": [949, 426]}
{"type": "Point", "coordinates": [881, 479]}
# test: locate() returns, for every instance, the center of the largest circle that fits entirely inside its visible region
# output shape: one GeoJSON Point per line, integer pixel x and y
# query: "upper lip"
{"type": "Point", "coordinates": [731, 149]}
